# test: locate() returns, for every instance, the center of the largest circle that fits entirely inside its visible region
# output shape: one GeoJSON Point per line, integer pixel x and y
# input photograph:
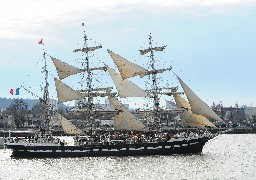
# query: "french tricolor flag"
{"type": "Point", "coordinates": [15, 91]}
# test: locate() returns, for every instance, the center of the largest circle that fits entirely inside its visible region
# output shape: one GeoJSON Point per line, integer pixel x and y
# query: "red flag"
{"type": "Point", "coordinates": [11, 91]}
{"type": "Point", "coordinates": [41, 41]}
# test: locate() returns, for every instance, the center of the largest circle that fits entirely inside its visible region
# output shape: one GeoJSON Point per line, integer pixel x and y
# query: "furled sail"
{"type": "Point", "coordinates": [124, 119]}
{"type": "Point", "coordinates": [88, 49]}
{"type": "Point", "coordinates": [64, 70]}
{"type": "Point", "coordinates": [145, 51]}
{"type": "Point", "coordinates": [68, 127]}
{"type": "Point", "coordinates": [155, 71]}
{"type": "Point", "coordinates": [124, 87]}
{"type": "Point", "coordinates": [66, 93]}
{"type": "Point", "coordinates": [126, 68]}
{"type": "Point", "coordinates": [197, 105]}
{"type": "Point", "coordinates": [188, 118]}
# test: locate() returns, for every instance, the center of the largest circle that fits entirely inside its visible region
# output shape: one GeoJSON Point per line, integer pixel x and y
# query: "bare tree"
{"type": "Point", "coordinates": [38, 110]}
{"type": "Point", "coordinates": [19, 111]}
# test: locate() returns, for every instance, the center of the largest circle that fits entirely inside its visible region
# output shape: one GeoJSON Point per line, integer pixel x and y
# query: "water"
{"type": "Point", "coordinates": [226, 157]}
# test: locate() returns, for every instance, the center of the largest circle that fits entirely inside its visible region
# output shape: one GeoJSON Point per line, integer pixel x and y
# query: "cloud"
{"type": "Point", "coordinates": [23, 19]}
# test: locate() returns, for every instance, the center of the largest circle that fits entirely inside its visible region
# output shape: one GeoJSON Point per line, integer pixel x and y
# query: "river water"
{"type": "Point", "coordinates": [226, 157]}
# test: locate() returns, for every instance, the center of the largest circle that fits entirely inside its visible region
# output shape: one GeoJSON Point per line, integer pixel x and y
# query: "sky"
{"type": "Point", "coordinates": [210, 43]}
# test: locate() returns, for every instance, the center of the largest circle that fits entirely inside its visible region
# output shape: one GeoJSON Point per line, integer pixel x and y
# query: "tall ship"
{"type": "Point", "coordinates": [131, 136]}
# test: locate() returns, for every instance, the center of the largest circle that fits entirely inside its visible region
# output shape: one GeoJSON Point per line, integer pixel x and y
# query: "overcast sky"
{"type": "Point", "coordinates": [210, 43]}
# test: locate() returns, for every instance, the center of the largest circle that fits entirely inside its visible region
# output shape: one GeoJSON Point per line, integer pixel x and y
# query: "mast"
{"type": "Point", "coordinates": [155, 89]}
{"type": "Point", "coordinates": [89, 91]}
{"type": "Point", "coordinates": [128, 69]}
{"type": "Point", "coordinates": [46, 100]}
{"type": "Point", "coordinates": [174, 90]}
{"type": "Point", "coordinates": [89, 86]}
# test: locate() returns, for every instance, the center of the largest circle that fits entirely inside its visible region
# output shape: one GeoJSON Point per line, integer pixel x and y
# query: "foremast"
{"type": "Point", "coordinates": [45, 100]}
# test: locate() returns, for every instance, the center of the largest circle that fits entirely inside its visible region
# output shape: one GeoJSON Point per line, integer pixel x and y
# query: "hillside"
{"type": "Point", "coordinates": [4, 103]}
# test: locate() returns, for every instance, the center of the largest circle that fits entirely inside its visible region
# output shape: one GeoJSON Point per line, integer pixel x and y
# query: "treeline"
{"type": "Point", "coordinates": [6, 102]}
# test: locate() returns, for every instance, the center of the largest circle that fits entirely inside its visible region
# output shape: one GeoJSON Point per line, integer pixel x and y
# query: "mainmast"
{"type": "Point", "coordinates": [89, 90]}
{"type": "Point", "coordinates": [155, 89]}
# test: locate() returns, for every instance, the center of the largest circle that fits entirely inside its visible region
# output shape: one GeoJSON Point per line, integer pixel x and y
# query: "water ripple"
{"type": "Point", "coordinates": [227, 157]}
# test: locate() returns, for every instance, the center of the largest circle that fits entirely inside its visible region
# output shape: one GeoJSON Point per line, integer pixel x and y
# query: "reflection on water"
{"type": "Point", "coordinates": [225, 157]}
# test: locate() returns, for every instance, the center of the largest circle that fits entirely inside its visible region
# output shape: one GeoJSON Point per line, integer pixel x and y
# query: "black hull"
{"type": "Point", "coordinates": [191, 146]}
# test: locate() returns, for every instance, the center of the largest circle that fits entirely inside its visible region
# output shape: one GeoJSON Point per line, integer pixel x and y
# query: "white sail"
{"type": "Point", "coordinates": [68, 127]}
{"type": "Point", "coordinates": [145, 51]}
{"type": "Point", "coordinates": [197, 105]}
{"type": "Point", "coordinates": [124, 87]}
{"type": "Point", "coordinates": [126, 68]}
{"type": "Point", "coordinates": [124, 119]}
{"type": "Point", "coordinates": [188, 117]}
{"type": "Point", "coordinates": [66, 93]}
{"type": "Point", "coordinates": [198, 121]}
{"type": "Point", "coordinates": [181, 102]}
{"type": "Point", "coordinates": [64, 70]}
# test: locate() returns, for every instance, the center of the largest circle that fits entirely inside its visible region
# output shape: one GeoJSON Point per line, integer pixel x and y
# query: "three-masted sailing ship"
{"type": "Point", "coordinates": [150, 141]}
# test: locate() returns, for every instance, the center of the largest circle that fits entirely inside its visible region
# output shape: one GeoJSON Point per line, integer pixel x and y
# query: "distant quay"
{"type": "Point", "coordinates": [242, 130]}
{"type": "Point", "coordinates": [236, 130]}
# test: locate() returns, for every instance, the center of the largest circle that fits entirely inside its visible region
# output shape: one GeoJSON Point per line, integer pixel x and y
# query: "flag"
{"type": "Point", "coordinates": [41, 41]}
{"type": "Point", "coordinates": [15, 91]}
